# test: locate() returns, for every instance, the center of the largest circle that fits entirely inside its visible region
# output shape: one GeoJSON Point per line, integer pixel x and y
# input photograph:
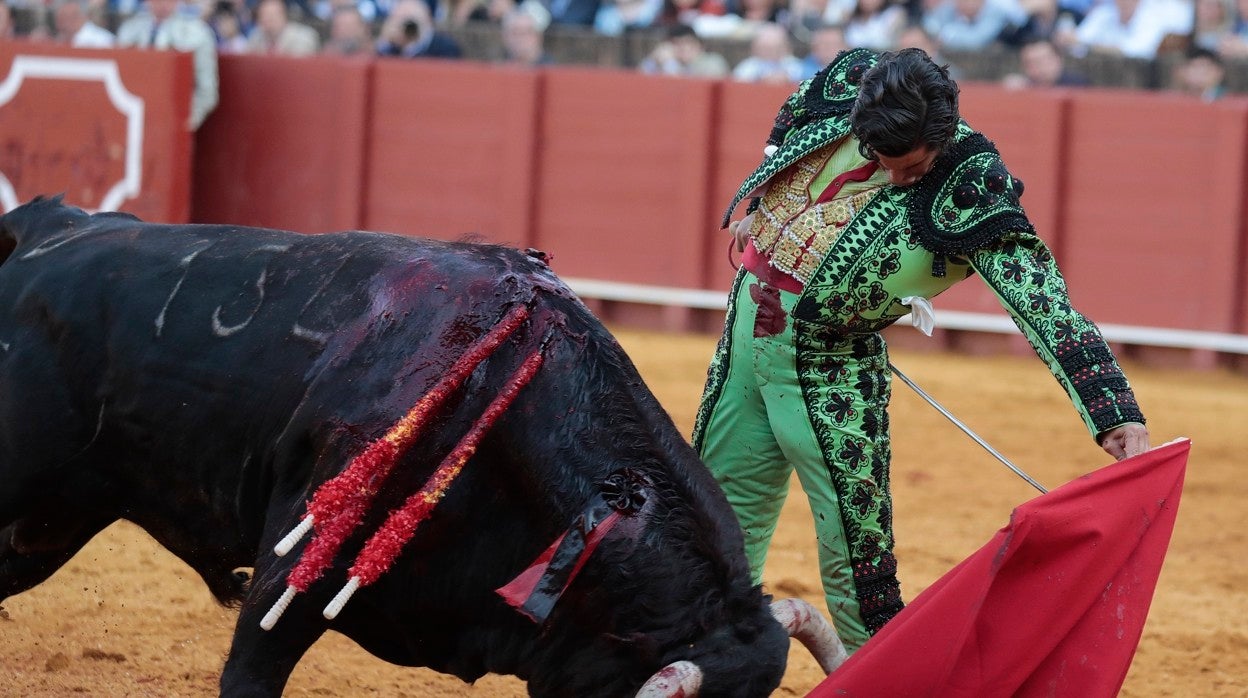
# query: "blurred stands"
{"type": "Point", "coordinates": [582, 46]}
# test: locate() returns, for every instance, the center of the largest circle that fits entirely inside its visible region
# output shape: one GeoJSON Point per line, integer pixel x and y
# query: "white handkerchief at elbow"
{"type": "Point", "coordinates": [921, 314]}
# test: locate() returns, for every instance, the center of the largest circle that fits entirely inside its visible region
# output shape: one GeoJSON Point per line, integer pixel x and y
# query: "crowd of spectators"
{"type": "Point", "coordinates": [788, 39]}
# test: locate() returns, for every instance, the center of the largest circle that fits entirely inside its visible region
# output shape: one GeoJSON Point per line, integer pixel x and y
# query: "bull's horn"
{"type": "Point", "coordinates": [681, 679]}
{"type": "Point", "coordinates": [804, 623]}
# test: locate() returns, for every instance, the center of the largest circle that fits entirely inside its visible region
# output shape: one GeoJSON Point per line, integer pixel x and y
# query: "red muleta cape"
{"type": "Point", "coordinates": [1053, 605]}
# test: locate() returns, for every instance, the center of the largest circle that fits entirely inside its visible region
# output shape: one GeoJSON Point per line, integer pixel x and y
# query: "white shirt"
{"type": "Point", "coordinates": [1140, 36]}
{"type": "Point", "coordinates": [753, 69]}
{"type": "Point", "coordinates": [93, 36]}
{"type": "Point", "coordinates": [878, 32]}
{"type": "Point", "coordinates": [181, 33]}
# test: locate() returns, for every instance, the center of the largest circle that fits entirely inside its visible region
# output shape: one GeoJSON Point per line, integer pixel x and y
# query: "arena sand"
{"type": "Point", "coordinates": [126, 618]}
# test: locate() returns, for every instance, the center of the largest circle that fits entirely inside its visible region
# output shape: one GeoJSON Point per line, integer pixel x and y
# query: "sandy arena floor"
{"type": "Point", "coordinates": [126, 618]}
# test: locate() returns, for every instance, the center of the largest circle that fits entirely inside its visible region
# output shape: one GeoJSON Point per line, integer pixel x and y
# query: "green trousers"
{"type": "Point", "coordinates": [760, 427]}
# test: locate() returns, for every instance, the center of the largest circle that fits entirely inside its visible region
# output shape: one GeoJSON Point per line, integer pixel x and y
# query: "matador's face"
{"type": "Point", "coordinates": [908, 168]}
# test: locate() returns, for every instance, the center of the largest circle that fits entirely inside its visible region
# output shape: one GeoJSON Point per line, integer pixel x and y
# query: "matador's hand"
{"type": "Point", "coordinates": [741, 231]}
{"type": "Point", "coordinates": [1125, 441]}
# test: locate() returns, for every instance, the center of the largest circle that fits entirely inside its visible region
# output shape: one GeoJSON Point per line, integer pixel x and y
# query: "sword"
{"type": "Point", "coordinates": [966, 430]}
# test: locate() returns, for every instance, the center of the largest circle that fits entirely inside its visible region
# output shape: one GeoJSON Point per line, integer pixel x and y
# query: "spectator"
{"type": "Point", "coordinates": [6, 23]}
{"type": "Point", "coordinates": [688, 11]}
{"type": "Point", "coordinates": [771, 58]}
{"type": "Point", "coordinates": [614, 17]}
{"type": "Point", "coordinates": [966, 25]}
{"type": "Point", "coordinates": [297, 10]}
{"type": "Point", "coordinates": [803, 17]}
{"type": "Point", "coordinates": [227, 26]}
{"type": "Point", "coordinates": [683, 54]}
{"type": "Point", "coordinates": [370, 10]}
{"type": "Point", "coordinates": [807, 16]}
{"type": "Point", "coordinates": [742, 19]}
{"type": "Point", "coordinates": [123, 8]}
{"type": "Point", "coordinates": [73, 26]}
{"type": "Point", "coordinates": [1202, 74]}
{"type": "Point", "coordinates": [409, 32]}
{"type": "Point", "coordinates": [162, 27]}
{"type": "Point", "coordinates": [573, 12]}
{"type": "Point", "coordinates": [826, 42]}
{"type": "Point", "coordinates": [275, 34]}
{"type": "Point", "coordinates": [1041, 64]}
{"type": "Point", "coordinates": [875, 24]}
{"type": "Point", "coordinates": [1132, 28]}
{"type": "Point", "coordinates": [1080, 8]}
{"type": "Point", "coordinates": [1236, 45]}
{"type": "Point", "coordinates": [524, 37]}
{"type": "Point", "coordinates": [349, 34]}
{"type": "Point", "coordinates": [198, 8]}
{"type": "Point", "coordinates": [915, 36]}
{"type": "Point", "coordinates": [495, 10]}
{"type": "Point", "coordinates": [758, 12]}
{"type": "Point", "coordinates": [453, 14]}
{"type": "Point", "coordinates": [1213, 22]}
{"type": "Point", "coordinates": [1042, 19]}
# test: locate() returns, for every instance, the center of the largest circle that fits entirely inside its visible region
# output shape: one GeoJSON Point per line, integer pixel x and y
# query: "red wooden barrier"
{"type": "Point", "coordinates": [106, 128]}
{"type": "Point", "coordinates": [452, 150]}
{"type": "Point", "coordinates": [743, 120]}
{"type": "Point", "coordinates": [1154, 209]}
{"type": "Point", "coordinates": [623, 177]}
{"type": "Point", "coordinates": [624, 170]}
{"type": "Point", "coordinates": [284, 147]}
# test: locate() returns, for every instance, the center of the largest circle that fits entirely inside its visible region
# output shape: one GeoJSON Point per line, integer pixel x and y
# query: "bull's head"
{"type": "Point", "coordinates": [800, 620]}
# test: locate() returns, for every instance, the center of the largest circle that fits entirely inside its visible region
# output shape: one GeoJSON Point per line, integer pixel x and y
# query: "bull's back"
{"type": "Point", "coordinates": [189, 333]}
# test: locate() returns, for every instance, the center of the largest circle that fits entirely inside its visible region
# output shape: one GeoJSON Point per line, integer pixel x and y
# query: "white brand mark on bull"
{"type": "Point", "coordinates": [52, 243]}
{"type": "Point", "coordinates": [185, 263]}
{"type": "Point", "coordinates": [223, 330]}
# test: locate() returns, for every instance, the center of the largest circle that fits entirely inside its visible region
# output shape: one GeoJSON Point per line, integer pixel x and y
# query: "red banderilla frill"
{"type": "Point", "coordinates": [340, 503]}
{"type": "Point", "coordinates": [381, 550]}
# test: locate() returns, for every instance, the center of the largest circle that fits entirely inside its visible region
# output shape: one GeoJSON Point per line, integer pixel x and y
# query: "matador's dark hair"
{"type": "Point", "coordinates": [904, 102]}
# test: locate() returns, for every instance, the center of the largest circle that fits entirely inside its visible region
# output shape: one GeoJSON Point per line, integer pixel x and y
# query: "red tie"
{"type": "Point", "coordinates": [861, 174]}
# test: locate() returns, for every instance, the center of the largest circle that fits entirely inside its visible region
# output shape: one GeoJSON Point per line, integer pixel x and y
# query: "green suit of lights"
{"type": "Point", "coordinates": [800, 380]}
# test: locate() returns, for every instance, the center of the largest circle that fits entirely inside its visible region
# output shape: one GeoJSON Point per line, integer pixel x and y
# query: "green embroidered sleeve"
{"type": "Point", "coordinates": [1021, 271]}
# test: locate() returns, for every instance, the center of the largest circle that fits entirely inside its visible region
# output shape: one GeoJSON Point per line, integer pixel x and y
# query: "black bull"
{"type": "Point", "coordinates": [203, 381]}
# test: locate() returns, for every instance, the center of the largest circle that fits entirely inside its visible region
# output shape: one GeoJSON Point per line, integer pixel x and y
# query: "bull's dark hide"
{"type": "Point", "coordinates": [202, 381]}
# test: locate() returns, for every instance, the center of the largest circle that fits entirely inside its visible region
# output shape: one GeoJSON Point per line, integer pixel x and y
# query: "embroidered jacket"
{"type": "Point", "coordinates": [963, 218]}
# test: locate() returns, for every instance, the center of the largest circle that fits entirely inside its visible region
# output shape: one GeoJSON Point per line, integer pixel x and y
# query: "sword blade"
{"type": "Point", "coordinates": [966, 430]}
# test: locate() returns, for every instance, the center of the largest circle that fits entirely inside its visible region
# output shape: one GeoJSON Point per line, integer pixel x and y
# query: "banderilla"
{"type": "Point", "coordinates": [966, 430]}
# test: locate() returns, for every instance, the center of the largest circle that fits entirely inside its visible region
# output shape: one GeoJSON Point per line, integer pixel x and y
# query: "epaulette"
{"type": "Point", "coordinates": [816, 114]}
{"type": "Point", "coordinates": [967, 201]}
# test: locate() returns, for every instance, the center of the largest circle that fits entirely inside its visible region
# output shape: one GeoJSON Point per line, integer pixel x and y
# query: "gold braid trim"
{"type": "Point", "coordinates": [798, 243]}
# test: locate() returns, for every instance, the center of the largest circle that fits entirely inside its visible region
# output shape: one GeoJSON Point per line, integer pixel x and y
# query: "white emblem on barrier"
{"type": "Point", "coordinates": [129, 104]}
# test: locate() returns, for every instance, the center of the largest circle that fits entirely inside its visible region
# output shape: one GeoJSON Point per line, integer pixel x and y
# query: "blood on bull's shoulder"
{"type": "Point", "coordinates": [431, 447]}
